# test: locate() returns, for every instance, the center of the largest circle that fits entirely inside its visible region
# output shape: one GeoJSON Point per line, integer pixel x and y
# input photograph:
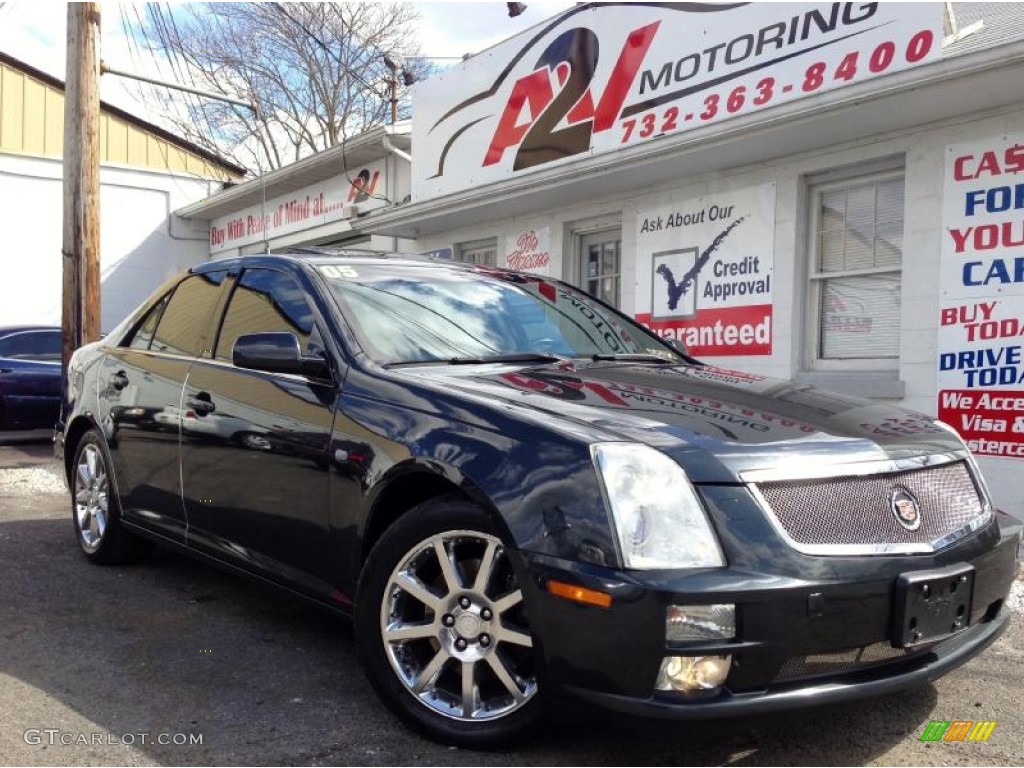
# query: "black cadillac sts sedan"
{"type": "Point", "coordinates": [522, 496]}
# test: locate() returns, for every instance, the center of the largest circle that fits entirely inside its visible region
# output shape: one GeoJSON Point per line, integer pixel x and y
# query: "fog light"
{"type": "Point", "coordinates": [692, 673]}
{"type": "Point", "coordinates": [700, 622]}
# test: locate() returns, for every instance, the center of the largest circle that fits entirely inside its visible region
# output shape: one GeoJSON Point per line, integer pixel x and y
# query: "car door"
{"type": "Point", "coordinates": [30, 378]}
{"type": "Point", "coordinates": [141, 384]}
{"type": "Point", "coordinates": [255, 444]}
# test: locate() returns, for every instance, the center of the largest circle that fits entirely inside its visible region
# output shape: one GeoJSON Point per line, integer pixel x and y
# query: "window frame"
{"type": "Point", "coordinates": [160, 304]}
{"type": "Point", "coordinates": [584, 280]}
{"type": "Point", "coordinates": [316, 335]}
{"type": "Point", "coordinates": [476, 245]}
{"type": "Point", "coordinates": [155, 309]}
{"type": "Point", "coordinates": [814, 278]}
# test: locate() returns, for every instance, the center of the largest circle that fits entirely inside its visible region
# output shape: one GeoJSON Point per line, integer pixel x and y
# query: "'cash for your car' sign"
{"type": "Point", "coordinates": [704, 271]}
{"type": "Point", "coordinates": [981, 321]}
{"type": "Point", "coordinates": [600, 77]}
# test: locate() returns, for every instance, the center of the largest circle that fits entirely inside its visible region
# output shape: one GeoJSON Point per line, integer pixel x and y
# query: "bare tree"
{"type": "Point", "coordinates": [315, 72]}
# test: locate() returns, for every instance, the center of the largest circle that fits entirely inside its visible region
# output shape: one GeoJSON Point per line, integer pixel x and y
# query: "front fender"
{"type": "Point", "coordinates": [540, 485]}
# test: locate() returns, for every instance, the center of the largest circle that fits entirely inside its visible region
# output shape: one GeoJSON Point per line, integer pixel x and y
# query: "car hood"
{"type": "Point", "coordinates": [717, 423]}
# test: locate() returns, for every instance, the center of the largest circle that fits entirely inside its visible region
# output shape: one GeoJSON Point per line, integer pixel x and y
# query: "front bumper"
{"type": "Point", "coordinates": [610, 657]}
{"type": "Point", "coordinates": [867, 683]}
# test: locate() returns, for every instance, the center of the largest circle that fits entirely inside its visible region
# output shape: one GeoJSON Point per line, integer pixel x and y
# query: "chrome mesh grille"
{"type": "Point", "coordinates": [837, 662]}
{"type": "Point", "coordinates": [857, 510]}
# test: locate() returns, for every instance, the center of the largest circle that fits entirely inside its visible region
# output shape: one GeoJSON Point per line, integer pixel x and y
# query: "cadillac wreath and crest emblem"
{"type": "Point", "coordinates": [906, 508]}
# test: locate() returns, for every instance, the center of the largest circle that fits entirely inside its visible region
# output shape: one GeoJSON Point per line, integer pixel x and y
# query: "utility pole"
{"type": "Point", "coordinates": [80, 317]}
{"type": "Point", "coordinates": [393, 88]}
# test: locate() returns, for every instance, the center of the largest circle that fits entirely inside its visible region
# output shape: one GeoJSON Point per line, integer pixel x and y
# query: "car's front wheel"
{"type": "Point", "coordinates": [442, 627]}
{"type": "Point", "coordinates": [95, 508]}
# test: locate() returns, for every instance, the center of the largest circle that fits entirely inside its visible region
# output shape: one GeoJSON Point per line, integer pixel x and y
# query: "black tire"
{"type": "Point", "coordinates": [503, 716]}
{"type": "Point", "coordinates": [106, 543]}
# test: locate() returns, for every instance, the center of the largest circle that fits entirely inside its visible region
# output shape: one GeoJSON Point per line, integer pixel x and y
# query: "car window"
{"type": "Point", "coordinates": [265, 300]}
{"type": "Point", "coordinates": [143, 335]}
{"type": "Point", "coordinates": [423, 313]}
{"type": "Point", "coordinates": [182, 327]}
{"type": "Point", "coordinates": [32, 345]}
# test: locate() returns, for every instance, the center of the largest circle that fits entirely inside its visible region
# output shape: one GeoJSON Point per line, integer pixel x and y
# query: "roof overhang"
{"type": "Point", "coordinates": [107, 108]}
{"type": "Point", "coordinates": [350, 155]}
{"type": "Point", "coordinates": [964, 85]}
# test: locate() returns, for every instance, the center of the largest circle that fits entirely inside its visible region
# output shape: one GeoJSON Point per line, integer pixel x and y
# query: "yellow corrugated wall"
{"type": "Point", "coordinates": [32, 123]}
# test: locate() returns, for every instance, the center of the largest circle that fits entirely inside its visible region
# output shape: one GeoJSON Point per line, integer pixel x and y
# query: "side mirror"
{"type": "Point", "coordinates": [276, 353]}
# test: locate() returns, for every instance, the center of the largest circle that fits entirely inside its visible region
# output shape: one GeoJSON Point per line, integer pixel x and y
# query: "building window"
{"type": "Point", "coordinates": [478, 252]}
{"type": "Point", "coordinates": [855, 273]}
{"type": "Point", "coordinates": [601, 261]}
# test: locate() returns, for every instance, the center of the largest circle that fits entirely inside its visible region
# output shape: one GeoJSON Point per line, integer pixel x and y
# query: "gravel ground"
{"type": "Point", "coordinates": [173, 646]}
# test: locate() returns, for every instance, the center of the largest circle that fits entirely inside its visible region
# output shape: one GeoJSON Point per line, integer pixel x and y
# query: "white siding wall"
{"type": "Point", "coordinates": [924, 153]}
{"type": "Point", "coordinates": [139, 246]}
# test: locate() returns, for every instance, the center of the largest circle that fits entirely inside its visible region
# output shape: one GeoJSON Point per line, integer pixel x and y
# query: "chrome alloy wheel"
{"type": "Point", "coordinates": [91, 497]}
{"type": "Point", "coordinates": [455, 630]}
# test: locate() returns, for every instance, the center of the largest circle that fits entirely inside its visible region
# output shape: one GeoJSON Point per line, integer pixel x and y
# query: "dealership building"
{"type": "Point", "coordinates": [825, 192]}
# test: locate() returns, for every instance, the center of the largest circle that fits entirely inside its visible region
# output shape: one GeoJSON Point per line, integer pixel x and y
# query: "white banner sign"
{"type": "Point", "coordinates": [308, 207]}
{"type": "Point", "coordinates": [529, 251]}
{"type": "Point", "coordinates": [599, 77]}
{"type": "Point", "coordinates": [981, 321]}
{"type": "Point", "coordinates": [704, 271]}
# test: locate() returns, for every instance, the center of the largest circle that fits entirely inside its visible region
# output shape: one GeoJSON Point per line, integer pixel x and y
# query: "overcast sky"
{"type": "Point", "coordinates": [34, 31]}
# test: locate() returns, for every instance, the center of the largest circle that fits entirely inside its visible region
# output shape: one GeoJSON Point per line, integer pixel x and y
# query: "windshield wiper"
{"type": "Point", "coordinates": [633, 357]}
{"type": "Point", "coordinates": [514, 357]}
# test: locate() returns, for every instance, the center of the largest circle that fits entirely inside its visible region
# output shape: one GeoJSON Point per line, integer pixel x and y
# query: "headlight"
{"type": "Point", "coordinates": [658, 517]}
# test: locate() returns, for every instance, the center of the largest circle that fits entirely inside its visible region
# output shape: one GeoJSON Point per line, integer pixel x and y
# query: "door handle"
{"type": "Point", "coordinates": [201, 404]}
{"type": "Point", "coordinates": [119, 381]}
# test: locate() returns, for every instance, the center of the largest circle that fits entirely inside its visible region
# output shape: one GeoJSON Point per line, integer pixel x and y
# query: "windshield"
{"type": "Point", "coordinates": [410, 313]}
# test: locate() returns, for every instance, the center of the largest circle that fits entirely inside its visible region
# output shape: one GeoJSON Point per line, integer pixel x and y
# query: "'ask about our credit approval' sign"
{"type": "Point", "coordinates": [704, 271]}
{"type": "Point", "coordinates": [981, 321]}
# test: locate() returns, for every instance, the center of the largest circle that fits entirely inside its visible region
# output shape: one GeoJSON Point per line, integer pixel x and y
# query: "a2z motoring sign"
{"type": "Point", "coordinates": [981, 321]}
{"type": "Point", "coordinates": [603, 76]}
{"type": "Point", "coordinates": [704, 271]}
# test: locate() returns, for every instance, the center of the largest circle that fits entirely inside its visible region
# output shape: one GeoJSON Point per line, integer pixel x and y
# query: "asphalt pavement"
{"type": "Point", "coordinates": [174, 662]}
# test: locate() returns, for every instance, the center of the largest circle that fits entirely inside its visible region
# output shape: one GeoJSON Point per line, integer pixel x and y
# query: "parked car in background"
{"type": "Point", "coordinates": [519, 492]}
{"type": "Point", "coordinates": [30, 385]}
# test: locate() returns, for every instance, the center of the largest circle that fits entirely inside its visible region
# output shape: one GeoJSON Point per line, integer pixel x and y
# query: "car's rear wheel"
{"type": "Point", "coordinates": [95, 507]}
{"type": "Point", "coordinates": [442, 627]}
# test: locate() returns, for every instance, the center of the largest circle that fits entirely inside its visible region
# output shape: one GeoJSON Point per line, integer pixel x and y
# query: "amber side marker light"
{"type": "Point", "coordinates": [580, 594]}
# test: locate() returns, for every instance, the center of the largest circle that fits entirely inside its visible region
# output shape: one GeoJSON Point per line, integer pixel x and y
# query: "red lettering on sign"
{"type": "Point", "coordinates": [615, 93]}
{"type": "Point", "coordinates": [534, 91]}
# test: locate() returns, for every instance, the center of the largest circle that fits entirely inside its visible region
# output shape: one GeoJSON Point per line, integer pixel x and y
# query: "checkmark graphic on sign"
{"type": "Point", "coordinates": [677, 290]}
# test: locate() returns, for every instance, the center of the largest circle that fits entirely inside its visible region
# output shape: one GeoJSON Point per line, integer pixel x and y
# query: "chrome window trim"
{"type": "Point", "coordinates": [860, 469]}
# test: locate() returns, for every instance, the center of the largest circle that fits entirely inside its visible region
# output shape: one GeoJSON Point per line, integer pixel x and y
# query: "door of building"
{"type": "Point", "coordinates": [600, 259]}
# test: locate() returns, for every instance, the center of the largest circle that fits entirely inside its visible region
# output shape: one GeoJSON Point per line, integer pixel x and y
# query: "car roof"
{"type": "Point", "coordinates": [7, 330]}
{"type": "Point", "coordinates": [314, 255]}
